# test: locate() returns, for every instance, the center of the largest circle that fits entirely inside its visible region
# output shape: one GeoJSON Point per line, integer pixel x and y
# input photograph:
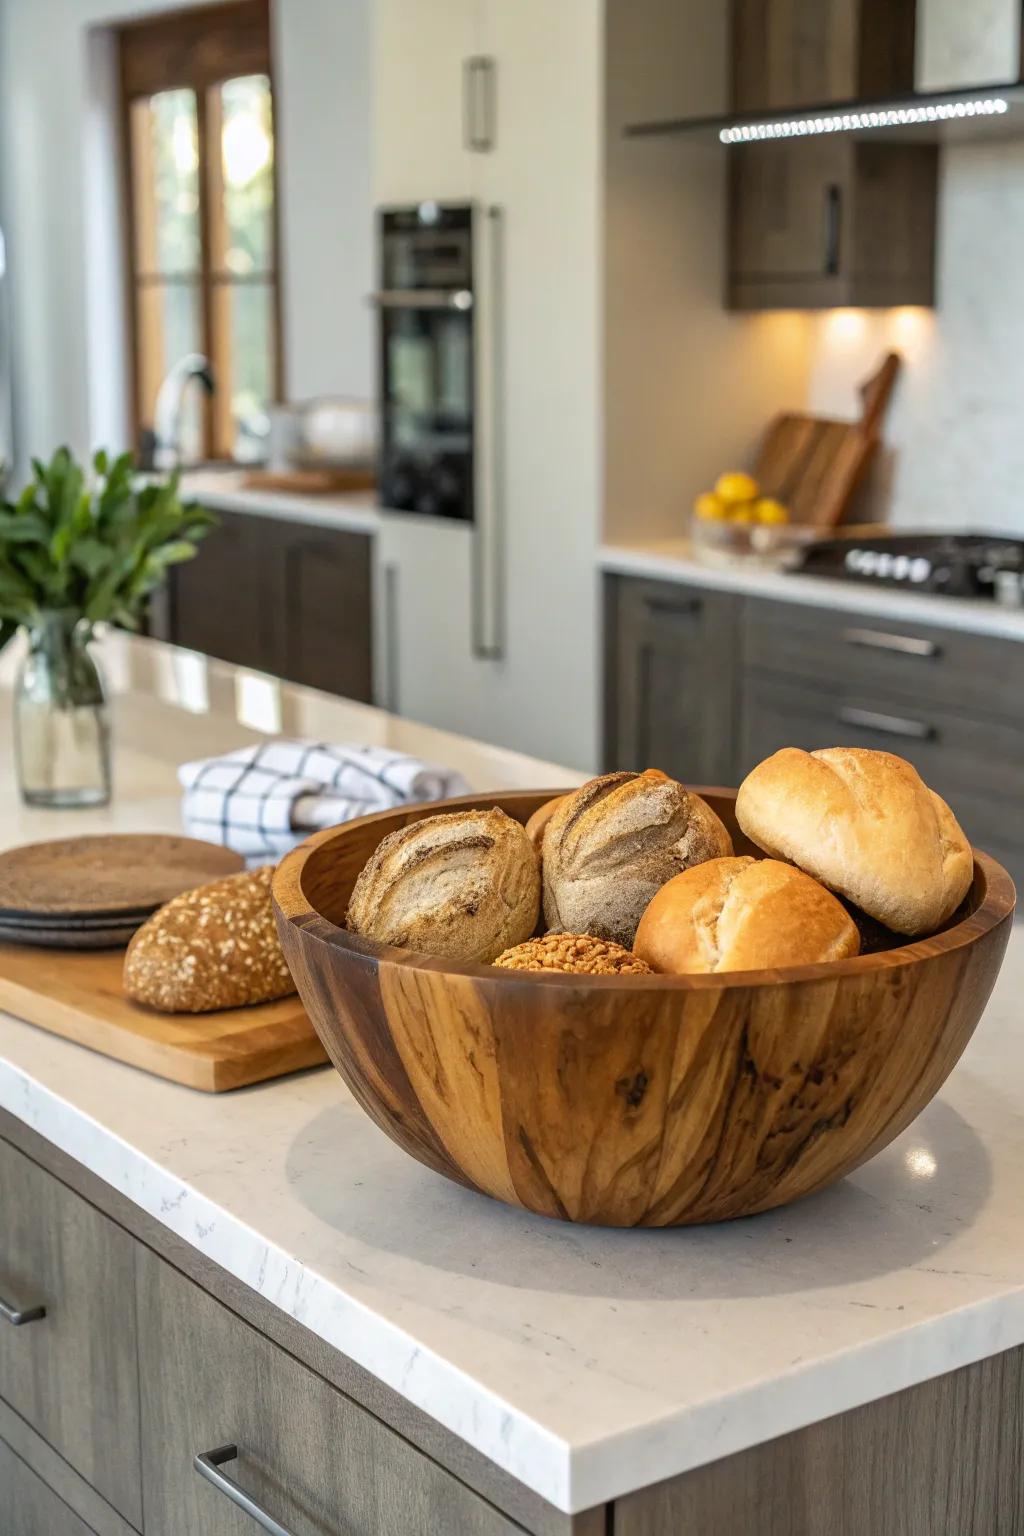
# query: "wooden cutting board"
{"type": "Point", "coordinates": [813, 465]}
{"type": "Point", "coordinates": [310, 482]}
{"type": "Point", "coordinates": [78, 995]}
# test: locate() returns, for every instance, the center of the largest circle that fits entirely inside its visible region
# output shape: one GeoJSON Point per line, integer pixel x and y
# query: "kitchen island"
{"type": "Point", "coordinates": [392, 1353]}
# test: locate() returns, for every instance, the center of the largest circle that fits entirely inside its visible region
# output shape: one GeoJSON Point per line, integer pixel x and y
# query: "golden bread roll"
{"type": "Point", "coordinates": [464, 885]}
{"type": "Point", "coordinates": [538, 822]}
{"type": "Point", "coordinates": [579, 953]}
{"type": "Point", "coordinates": [611, 844]}
{"type": "Point", "coordinates": [865, 825]}
{"type": "Point", "coordinates": [743, 914]}
{"type": "Point", "coordinates": [214, 947]}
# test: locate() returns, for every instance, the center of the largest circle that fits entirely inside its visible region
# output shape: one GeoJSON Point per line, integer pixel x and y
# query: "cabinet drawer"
{"type": "Point", "coordinates": [975, 764]}
{"type": "Point", "coordinates": [976, 673]}
{"type": "Point", "coordinates": [671, 668]}
{"type": "Point", "coordinates": [315, 1461]}
{"type": "Point", "coordinates": [30, 1508]}
{"type": "Point", "coordinates": [71, 1373]}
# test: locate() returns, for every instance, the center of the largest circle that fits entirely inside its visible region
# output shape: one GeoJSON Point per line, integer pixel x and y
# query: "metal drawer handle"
{"type": "Point", "coordinates": [877, 640]}
{"type": "Point", "coordinates": [16, 1316]}
{"type": "Point", "coordinates": [422, 298]}
{"type": "Point", "coordinates": [888, 725]}
{"type": "Point", "coordinates": [673, 608]}
{"type": "Point", "coordinates": [208, 1465]}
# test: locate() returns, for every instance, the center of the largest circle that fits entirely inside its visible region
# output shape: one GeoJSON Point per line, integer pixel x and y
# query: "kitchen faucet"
{"type": "Point", "coordinates": [161, 447]}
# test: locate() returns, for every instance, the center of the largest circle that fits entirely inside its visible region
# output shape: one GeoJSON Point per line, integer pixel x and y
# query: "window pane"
{"type": "Point", "coordinates": [168, 325]}
{"type": "Point", "coordinates": [244, 318]}
{"type": "Point", "coordinates": [247, 169]}
{"type": "Point", "coordinates": [165, 182]}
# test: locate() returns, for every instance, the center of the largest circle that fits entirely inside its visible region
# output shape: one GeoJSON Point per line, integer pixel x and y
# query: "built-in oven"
{"type": "Point", "coordinates": [427, 365]}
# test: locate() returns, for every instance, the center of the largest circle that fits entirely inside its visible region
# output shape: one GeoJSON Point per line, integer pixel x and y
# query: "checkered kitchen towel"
{"type": "Point", "coordinates": [262, 800]}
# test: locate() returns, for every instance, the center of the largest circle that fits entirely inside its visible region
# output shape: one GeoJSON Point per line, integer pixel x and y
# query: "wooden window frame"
{"type": "Point", "coordinates": [197, 50]}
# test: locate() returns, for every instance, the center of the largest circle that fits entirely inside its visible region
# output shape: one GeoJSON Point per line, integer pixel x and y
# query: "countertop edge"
{"type": "Point", "coordinates": [661, 563]}
{"type": "Point", "coordinates": [572, 1479]}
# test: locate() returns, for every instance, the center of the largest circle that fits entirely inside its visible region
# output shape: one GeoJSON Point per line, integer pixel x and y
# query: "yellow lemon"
{"type": "Point", "coordinates": [742, 512]}
{"type": "Point", "coordinates": [710, 508]}
{"type": "Point", "coordinates": [770, 512]}
{"type": "Point", "coordinates": [737, 487]}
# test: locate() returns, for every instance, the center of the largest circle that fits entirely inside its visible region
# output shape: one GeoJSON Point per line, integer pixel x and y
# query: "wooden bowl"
{"type": "Point", "coordinates": [633, 1101]}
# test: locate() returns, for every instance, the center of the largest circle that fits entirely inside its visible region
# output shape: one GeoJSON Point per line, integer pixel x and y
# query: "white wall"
{"type": "Point", "coordinates": [689, 386]}
{"type": "Point", "coordinates": [955, 435]}
{"type": "Point", "coordinates": [58, 198]}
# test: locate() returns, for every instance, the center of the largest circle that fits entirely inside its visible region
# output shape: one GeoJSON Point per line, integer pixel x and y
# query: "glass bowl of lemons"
{"type": "Point", "coordinates": [736, 523]}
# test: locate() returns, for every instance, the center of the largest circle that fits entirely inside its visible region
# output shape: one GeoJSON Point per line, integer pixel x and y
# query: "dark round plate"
{"type": "Point", "coordinates": [123, 876]}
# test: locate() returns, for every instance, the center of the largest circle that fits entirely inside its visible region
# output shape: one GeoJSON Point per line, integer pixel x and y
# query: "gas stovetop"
{"type": "Point", "coordinates": [951, 564]}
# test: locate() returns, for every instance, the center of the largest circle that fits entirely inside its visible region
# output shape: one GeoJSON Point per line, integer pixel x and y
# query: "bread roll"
{"type": "Point", "coordinates": [613, 843]}
{"type": "Point", "coordinates": [464, 885]}
{"type": "Point", "coordinates": [866, 826]}
{"type": "Point", "coordinates": [743, 915]}
{"type": "Point", "coordinates": [538, 822]}
{"type": "Point", "coordinates": [214, 947]}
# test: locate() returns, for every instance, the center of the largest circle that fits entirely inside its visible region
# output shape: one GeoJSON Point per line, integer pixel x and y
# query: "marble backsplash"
{"type": "Point", "coordinates": [954, 453]}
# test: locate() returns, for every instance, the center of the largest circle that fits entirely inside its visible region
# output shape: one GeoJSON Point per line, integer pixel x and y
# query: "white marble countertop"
{"type": "Point", "coordinates": [225, 490]}
{"type": "Point", "coordinates": [674, 560]}
{"type": "Point", "coordinates": [585, 1363]}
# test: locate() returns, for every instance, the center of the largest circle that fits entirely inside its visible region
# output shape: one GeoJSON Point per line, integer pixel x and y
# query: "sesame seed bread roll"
{"type": "Point", "coordinates": [214, 947]}
{"type": "Point", "coordinates": [465, 885]}
{"type": "Point", "coordinates": [613, 843]}
{"type": "Point", "coordinates": [743, 914]}
{"type": "Point", "coordinates": [867, 826]}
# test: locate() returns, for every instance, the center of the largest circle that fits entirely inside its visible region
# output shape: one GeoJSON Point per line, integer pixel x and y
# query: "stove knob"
{"type": "Point", "coordinates": [869, 563]}
{"type": "Point", "coordinates": [920, 569]}
{"type": "Point", "coordinates": [901, 567]}
{"type": "Point", "coordinates": [851, 560]}
{"type": "Point", "coordinates": [884, 564]}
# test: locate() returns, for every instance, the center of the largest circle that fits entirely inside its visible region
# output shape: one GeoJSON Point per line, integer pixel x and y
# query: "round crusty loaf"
{"type": "Point", "coordinates": [214, 947]}
{"type": "Point", "coordinates": [538, 822]}
{"type": "Point", "coordinates": [613, 843]}
{"type": "Point", "coordinates": [464, 885]}
{"type": "Point", "coordinates": [743, 915]}
{"type": "Point", "coordinates": [865, 825]}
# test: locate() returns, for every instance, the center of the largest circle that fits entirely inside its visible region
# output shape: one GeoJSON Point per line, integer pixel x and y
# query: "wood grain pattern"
{"type": "Point", "coordinates": [72, 1374]}
{"type": "Point", "coordinates": [79, 996]}
{"type": "Point", "coordinates": [805, 53]}
{"type": "Point", "coordinates": [940, 1459]}
{"type": "Point", "coordinates": [633, 1101]}
{"type": "Point", "coordinates": [30, 1507]}
{"type": "Point", "coordinates": [318, 1462]}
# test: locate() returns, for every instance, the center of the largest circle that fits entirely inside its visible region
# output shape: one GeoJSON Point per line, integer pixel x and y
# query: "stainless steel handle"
{"type": "Point", "coordinates": [887, 725]}
{"type": "Point", "coordinates": [422, 298]}
{"type": "Point", "coordinates": [488, 594]}
{"type": "Point", "coordinates": [674, 608]}
{"type": "Point", "coordinates": [208, 1465]}
{"type": "Point", "coordinates": [17, 1316]}
{"type": "Point", "coordinates": [878, 640]}
{"type": "Point", "coordinates": [478, 104]}
{"type": "Point", "coordinates": [391, 637]}
{"type": "Point", "coordinates": [833, 229]}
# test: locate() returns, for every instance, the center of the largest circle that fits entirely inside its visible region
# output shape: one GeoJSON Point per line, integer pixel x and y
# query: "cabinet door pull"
{"type": "Point", "coordinates": [17, 1316]}
{"type": "Point", "coordinates": [886, 725]}
{"type": "Point", "coordinates": [833, 229]}
{"type": "Point", "coordinates": [208, 1465]}
{"type": "Point", "coordinates": [673, 607]}
{"type": "Point", "coordinates": [478, 104]}
{"type": "Point", "coordinates": [878, 640]}
{"type": "Point", "coordinates": [488, 594]}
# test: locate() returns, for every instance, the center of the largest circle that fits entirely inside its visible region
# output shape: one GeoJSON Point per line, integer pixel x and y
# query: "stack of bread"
{"type": "Point", "coordinates": [633, 873]}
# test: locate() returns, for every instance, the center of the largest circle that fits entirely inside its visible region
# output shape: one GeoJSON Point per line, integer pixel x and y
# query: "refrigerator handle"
{"type": "Point", "coordinates": [488, 579]}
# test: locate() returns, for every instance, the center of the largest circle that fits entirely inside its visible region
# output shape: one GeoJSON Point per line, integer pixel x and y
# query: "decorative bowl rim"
{"type": "Point", "coordinates": [293, 906]}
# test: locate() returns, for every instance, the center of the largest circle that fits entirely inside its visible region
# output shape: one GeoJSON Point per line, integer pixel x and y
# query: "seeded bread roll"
{"type": "Point", "coordinates": [613, 843]}
{"type": "Point", "coordinates": [743, 915]}
{"type": "Point", "coordinates": [578, 953]}
{"type": "Point", "coordinates": [464, 885]}
{"type": "Point", "coordinates": [866, 826]}
{"type": "Point", "coordinates": [214, 947]}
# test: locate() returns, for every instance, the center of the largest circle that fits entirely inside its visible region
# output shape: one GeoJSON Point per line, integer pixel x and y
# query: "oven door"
{"type": "Point", "coordinates": [427, 401]}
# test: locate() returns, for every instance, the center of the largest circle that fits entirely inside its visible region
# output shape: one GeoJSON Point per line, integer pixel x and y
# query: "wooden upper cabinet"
{"type": "Point", "coordinates": [831, 222]}
{"type": "Point", "coordinates": [791, 54]}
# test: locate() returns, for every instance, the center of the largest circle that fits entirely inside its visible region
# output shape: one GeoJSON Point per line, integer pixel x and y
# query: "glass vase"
{"type": "Point", "coordinates": [61, 718]}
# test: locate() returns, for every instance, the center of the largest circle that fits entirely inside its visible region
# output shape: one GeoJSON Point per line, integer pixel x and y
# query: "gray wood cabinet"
{"type": "Point", "coordinates": [70, 1374]}
{"type": "Point", "coordinates": [809, 677]}
{"type": "Point", "coordinates": [289, 598]}
{"type": "Point", "coordinates": [671, 678]}
{"type": "Point", "coordinates": [317, 1462]}
{"type": "Point", "coordinates": [30, 1507]}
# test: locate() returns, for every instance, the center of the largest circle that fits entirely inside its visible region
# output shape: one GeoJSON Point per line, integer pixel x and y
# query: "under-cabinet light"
{"type": "Point", "coordinates": [852, 122]}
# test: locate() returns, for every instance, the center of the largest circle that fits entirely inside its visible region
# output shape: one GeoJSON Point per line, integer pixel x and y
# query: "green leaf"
{"type": "Point", "coordinates": [23, 528]}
